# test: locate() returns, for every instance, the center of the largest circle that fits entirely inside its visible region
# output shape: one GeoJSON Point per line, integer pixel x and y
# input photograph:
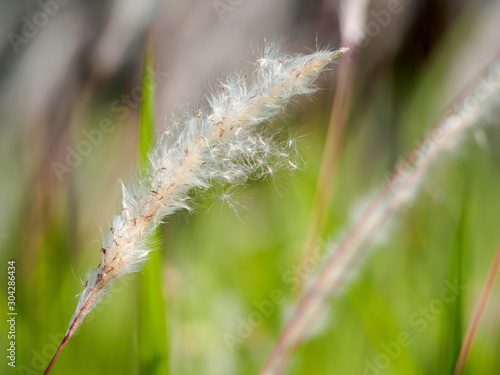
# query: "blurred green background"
{"type": "Point", "coordinates": [217, 266]}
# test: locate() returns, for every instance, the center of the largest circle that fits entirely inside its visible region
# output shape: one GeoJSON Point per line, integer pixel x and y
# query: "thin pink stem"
{"type": "Point", "coordinates": [63, 343]}
{"type": "Point", "coordinates": [72, 328]}
{"type": "Point", "coordinates": [477, 314]}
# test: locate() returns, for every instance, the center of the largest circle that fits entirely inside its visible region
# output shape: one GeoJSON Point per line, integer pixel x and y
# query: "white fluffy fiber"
{"type": "Point", "coordinates": [222, 142]}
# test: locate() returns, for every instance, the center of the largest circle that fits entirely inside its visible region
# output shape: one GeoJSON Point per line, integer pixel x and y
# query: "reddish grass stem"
{"type": "Point", "coordinates": [477, 314]}
{"type": "Point", "coordinates": [72, 328]}
{"type": "Point", "coordinates": [63, 343]}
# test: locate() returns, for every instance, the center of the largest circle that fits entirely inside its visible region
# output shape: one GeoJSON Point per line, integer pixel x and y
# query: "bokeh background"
{"type": "Point", "coordinates": [83, 65]}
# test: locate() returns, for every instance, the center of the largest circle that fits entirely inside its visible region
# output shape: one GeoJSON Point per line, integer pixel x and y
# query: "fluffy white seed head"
{"type": "Point", "coordinates": [224, 142]}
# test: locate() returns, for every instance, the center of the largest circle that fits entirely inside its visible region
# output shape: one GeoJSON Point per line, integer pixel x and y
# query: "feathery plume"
{"type": "Point", "coordinates": [398, 192]}
{"type": "Point", "coordinates": [219, 143]}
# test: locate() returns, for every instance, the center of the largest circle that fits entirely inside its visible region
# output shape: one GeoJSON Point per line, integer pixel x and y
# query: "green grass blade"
{"type": "Point", "coordinates": [152, 325]}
